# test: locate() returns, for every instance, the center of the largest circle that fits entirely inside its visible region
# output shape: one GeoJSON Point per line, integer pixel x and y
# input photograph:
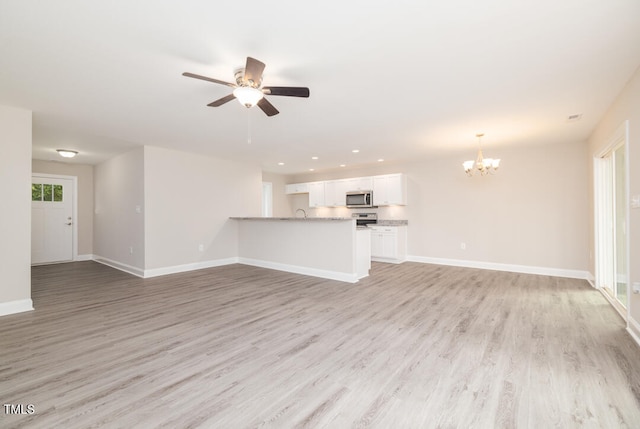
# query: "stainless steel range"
{"type": "Point", "coordinates": [364, 219]}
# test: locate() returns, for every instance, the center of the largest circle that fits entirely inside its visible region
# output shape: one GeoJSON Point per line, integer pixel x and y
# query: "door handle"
{"type": "Point", "coordinates": [69, 223]}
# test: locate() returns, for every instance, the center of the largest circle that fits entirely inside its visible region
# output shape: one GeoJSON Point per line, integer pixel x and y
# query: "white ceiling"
{"type": "Point", "coordinates": [397, 80]}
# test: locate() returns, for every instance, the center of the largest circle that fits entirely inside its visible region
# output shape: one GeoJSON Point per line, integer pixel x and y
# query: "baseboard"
{"type": "Point", "coordinates": [592, 280]}
{"type": "Point", "coordinates": [17, 306]}
{"type": "Point", "coordinates": [189, 267]}
{"type": "Point", "coordinates": [525, 269]}
{"type": "Point", "coordinates": [314, 272]}
{"type": "Point", "coordinates": [633, 328]}
{"type": "Point", "coordinates": [139, 272]}
{"type": "Point", "coordinates": [82, 258]}
{"type": "Point", "coordinates": [388, 261]}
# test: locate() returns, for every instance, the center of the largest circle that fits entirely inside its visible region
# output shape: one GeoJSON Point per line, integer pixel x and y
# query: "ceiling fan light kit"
{"type": "Point", "coordinates": [247, 96]}
{"type": "Point", "coordinates": [482, 165]}
{"type": "Point", "coordinates": [248, 89]}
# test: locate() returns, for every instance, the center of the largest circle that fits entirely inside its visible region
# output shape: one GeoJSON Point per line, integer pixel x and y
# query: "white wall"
{"type": "Point", "coordinates": [15, 221]}
{"type": "Point", "coordinates": [189, 199]}
{"type": "Point", "coordinates": [625, 107]}
{"type": "Point", "coordinates": [533, 212]}
{"type": "Point", "coordinates": [118, 227]}
{"type": "Point", "coordinates": [84, 173]}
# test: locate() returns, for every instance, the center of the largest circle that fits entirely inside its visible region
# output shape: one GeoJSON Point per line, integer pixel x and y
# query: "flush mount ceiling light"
{"type": "Point", "coordinates": [483, 165]}
{"type": "Point", "coordinates": [67, 153]}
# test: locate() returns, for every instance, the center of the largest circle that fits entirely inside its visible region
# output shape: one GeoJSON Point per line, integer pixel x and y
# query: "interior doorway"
{"type": "Point", "coordinates": [611, 219]}
{"type": "Point", "coordinates": [53, 214]}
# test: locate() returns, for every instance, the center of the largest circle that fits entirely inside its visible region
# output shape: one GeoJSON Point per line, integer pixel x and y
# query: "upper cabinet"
{"type": "Point", "coordinates": [390, 190]}
{"type": "Point", "coordinates": [335, 193]}
{"type": "Point", "coordinates": [359, 184]}
{"type": "Point", "coordinates": [316, 194]}
{"type": "Point", "coordinates": [296, 188]}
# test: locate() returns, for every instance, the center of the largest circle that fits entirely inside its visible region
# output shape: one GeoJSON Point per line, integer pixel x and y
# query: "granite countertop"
{"type": "Point", "coordinates": [293, 218]}
{"type": "Point", "coordinates": [391, 222]}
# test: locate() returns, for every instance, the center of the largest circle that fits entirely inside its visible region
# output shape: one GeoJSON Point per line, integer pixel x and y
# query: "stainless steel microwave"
{"type": "Point", "coordinates": [357, 199]}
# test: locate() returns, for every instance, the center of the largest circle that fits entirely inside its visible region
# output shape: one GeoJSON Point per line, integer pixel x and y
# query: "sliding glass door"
{"type": "Point", "coordinates": [620, 225]}
{"type": "Point", "coordinates": [611, 224]}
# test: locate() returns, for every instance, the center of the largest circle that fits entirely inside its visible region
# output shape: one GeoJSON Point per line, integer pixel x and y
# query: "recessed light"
{"type": "Point", "coordinates": [67, 153]}
{"type": "Point", "coordinates": [380, 160]}
{"type": "Point", "coordinates": [314, 157]}
{"type": "Point", "coordinates": [343, 165]}
{"type": "Point", "coordinates": [355, 150]}
{"type": "Point", "coordinates": [311, 169]}
{"type": "Point", "coordinates": [574, 117]}
{"type": "Point", "coordinates": [281, 163]}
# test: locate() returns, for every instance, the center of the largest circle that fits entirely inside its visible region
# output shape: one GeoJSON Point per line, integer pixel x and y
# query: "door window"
{"type": "Point", "coordinates": [46, 192]}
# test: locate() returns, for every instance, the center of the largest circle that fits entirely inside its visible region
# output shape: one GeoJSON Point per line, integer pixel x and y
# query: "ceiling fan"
{"type": "Point", "coordinates": [248, 88]}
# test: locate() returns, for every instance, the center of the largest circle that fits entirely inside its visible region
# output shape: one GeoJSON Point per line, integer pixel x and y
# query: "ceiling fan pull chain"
{"type": "Point", "coordinates": [248, 126]}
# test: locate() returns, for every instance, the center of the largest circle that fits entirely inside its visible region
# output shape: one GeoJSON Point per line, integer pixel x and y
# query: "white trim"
{"type": "Point", "coordinates": [388, 260]}
{"type": "Point", "coordinates": [331, 275]}
{"type": "Point", "coordinates": [74, 206]}
{"type": "Point", "coordinates": [17, 306]}
{"type": "Point", "coordinates": [633, 328]}
{"type": "Point", "coordinates": [87, 257]}
{"type": "Point", "coordinates": [592, 280]}
{"type": "Point", "coordinates": [139, 272]}
{"type": "Point", "coordinates": [189, 267]}
{"type": "Point", "coordinates": [525, 269]}
{"type": "Point", "coordinates": [296, 269]}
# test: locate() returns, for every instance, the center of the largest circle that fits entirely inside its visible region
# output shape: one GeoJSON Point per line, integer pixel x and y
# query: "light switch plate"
{"type": "Point", "coordinates": [635, 201]}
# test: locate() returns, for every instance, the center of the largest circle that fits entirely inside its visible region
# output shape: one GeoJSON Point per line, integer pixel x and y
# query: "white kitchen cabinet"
{"type": "Point", "coordinates": [389, 243]}
{"type": "Point", "coordinates": [359, 184]}
{"type": "Point", "coordinates": [316, 194]}
{"type": "Point", "coordinates": [335, 193]}
{"type": "Point", "coordinates": [296, 188]}
{"type": "Point", "coordinates": [389, 190]}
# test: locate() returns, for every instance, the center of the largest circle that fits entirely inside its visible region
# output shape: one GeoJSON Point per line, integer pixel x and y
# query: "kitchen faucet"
{"type": "Point", "coordinates": [303, 212]}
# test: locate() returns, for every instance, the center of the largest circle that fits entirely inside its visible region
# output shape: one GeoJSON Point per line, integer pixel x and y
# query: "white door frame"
{"type": "Point", "coordinates": [620, 136]}
{"type": "Point", "coordinates": [74, 226]}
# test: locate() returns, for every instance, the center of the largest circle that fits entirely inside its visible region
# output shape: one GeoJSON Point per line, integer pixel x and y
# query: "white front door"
{"type": "Point", "coordinates": [51, 220]}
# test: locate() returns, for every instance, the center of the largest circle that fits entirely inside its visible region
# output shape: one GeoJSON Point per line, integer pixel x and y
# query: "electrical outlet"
{"type": "Point", "coordinates": [131, 250]}
{"type": "Point", "coordinates": [463, 246]}
{"type": "Point", "coordinates": [636, 287]}
{"type": "Point", "coordinates": [201, 247]}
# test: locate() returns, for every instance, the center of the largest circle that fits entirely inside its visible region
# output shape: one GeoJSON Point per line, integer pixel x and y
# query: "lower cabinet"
{"type": "Point", "coordinates": [389, 243]}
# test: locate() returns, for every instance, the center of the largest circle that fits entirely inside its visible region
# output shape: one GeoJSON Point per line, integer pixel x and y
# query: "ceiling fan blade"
{"type": "Point", "coordinates": [221, 101]}
{"type": "Point", "coordinates": [289, 91]}
{"type": "Point", "coordinates": [267, 107]}
{"type": "Point", "coordinates": [210, 79]}
{"type": "Point", "coordinates": [253, 72]}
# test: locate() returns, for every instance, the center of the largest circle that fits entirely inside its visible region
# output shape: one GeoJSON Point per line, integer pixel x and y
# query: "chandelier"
{"type": "Point", "coordinates": [483, 165]}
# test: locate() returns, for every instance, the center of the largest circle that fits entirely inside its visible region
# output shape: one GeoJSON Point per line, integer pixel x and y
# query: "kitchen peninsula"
{"type": "Point", "coordinates": [327, 247]}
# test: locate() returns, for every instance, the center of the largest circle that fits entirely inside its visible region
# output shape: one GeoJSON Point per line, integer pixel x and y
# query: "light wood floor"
{"type": "Point", "coordinates": [412, 346]}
